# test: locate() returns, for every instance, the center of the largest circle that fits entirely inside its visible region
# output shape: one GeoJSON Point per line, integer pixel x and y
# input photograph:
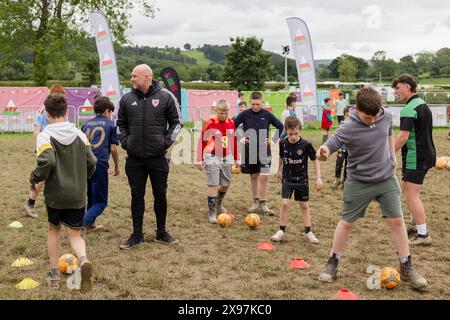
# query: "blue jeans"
{"type": "Point", "coordinates": [97, 193]}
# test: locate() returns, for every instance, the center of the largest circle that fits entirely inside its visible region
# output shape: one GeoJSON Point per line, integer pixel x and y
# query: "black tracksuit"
{"type": "Point", "coordinates": [148, 124]}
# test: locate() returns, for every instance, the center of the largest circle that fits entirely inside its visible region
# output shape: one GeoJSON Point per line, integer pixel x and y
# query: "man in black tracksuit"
{"type": "Point", "coordinates": [149, 120]}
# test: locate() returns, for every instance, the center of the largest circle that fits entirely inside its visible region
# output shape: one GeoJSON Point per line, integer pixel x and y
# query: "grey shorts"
{"type": "Point", "coordinates": [358, 195]}
{"type": "Point", "coordinates": [218, 170]}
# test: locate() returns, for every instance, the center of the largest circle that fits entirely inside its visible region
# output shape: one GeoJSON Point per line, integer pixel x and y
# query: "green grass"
{"type": "Point", "coordinates": [202, 61]}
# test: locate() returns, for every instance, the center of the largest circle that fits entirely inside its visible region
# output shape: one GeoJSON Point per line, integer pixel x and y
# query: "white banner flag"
{"type": "Point", "coordinates": [108, 67]}
{"type": "Point", "coordinates": [302, 48]}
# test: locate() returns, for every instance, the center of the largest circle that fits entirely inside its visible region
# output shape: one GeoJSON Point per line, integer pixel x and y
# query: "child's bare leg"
{"type": "Point", "coordinates": [77, 242]}
{"type": "Point", "coordinates": [53, 240]}
{"type": "Point", "coordinates": [263, 186]}
{"type": "Point", "coordinates": [284, 212]}
{"type": "Point", "coordinates": [399, 236]}
{"type": "Point", "coordinates": [304, 208]}
{"type": "Point", "coordinates": [223, 188]}
{"type": "Point", "coordinates": [341, 235]}
{"type": "Point", "coordinates": [254, 184]}
{"type": "Point", "coordinates": [212, 191]}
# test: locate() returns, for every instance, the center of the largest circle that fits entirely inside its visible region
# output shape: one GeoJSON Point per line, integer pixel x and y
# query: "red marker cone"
{"type": "Point", "coordinates": [265, 246]}
{"type": "Point", "coordinates": [299, 263]}
{"type": "Point", "coordinates": [345, 294]}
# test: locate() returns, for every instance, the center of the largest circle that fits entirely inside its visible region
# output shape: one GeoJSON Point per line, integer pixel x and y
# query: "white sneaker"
{"type": "Point", "coordinates": [266, 210]}
{"type": "Point", "coordinates": [254, 208]}
{"type": "Point", "coordinates": [279, 236]}
{"type": "Point", "coordinates": [311, 237]}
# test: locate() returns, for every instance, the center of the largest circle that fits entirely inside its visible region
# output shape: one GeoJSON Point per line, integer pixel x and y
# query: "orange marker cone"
{"type": "Point", "coordinates": [265, 246]}
{"type": "Point", "coordinates": [345, 294]}
{"type": "Point", "coordinates": [299, 263]}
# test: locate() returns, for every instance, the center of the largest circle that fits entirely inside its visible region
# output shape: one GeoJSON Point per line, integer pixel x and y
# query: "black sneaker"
{"type": "Point", "coordinates": [132, 241]}
{"type": "Point", "coordinates": [328, 273]}
{"type": "Point", "coordinates": [165, 238]}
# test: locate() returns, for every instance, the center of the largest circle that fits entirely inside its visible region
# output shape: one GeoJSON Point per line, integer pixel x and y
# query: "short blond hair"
{"type": "Point", "coordinates": [223, 105]}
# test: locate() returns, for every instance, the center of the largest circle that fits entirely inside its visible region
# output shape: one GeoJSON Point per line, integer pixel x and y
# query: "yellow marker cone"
{"type": "Point", "coordinates": [15, 225]}
{"type": "Point", "coordinates": [27, 283]}
{"type": "Point", "coordinates": [22, 262]}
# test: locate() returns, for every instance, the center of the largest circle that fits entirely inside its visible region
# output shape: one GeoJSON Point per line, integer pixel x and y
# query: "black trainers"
{"type": "Point", "coordinates": [409, 274]}
{"type": "Point", "coordinates": [328, 273]}
{"type": "Point", "coordinates": [132, 241]}
{"type": "Point", "coordinates": [165, 238]}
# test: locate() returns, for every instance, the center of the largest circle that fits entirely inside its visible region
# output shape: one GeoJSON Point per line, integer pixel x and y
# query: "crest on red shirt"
{"type": "Point", "coordinates": [155, 102]}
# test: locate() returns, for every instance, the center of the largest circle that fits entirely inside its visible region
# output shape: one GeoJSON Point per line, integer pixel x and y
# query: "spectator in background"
{"type": "Point", "coordinates": [240, 98]}
{"type": "Point", "coordinates": [327, 119]}
{"type": "Point", "coordinates": [288, 112]}
{"type": "Point", "coordinates": [340, 106]}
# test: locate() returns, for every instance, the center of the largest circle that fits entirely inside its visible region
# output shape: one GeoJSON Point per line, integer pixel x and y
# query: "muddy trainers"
{"type": "Point", "coordinates": [328, 273]}
{"type": "Point", "coordinates": [93, 227]}
{"type": "Point", "coordinates": [255, 206]}
{"type": "Point", "coordinates": [53, 280]}
{"type": "Point", "coordinates": [411, 230]}
{"type": "Point", "coordinates": [420, 240]}
{"type": "Point", "coordinates": [220, 209]}
{"type": "Point", "coordinates": [30, 211]}
{"type": "Point", "coordinates": [87, 279]}
{"type": "Point", "coordinates": [166, 238]}
{"type": "Point", "coordinates": [265, 209]}
{"type": "Point", "coordinates": [311, 237]}
{"type": "Point", "coordinates": [212, 216]}
{"type": "Point", "coordinates": [132, 241]}
{"type": "Point", "coordinates": [279, 236]}
{"type": "Point", "coordinates": [336, 183]}
{"type": "Point", "coordinates": [409, 274]}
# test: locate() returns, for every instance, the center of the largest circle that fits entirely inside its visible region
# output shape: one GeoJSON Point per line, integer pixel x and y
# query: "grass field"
{"type": "Point", "coordinates": [212, 262]}
{"type": "Point", "coordinates": [202, 61]}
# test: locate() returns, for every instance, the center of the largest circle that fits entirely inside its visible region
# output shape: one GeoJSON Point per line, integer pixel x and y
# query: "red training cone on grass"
{"type": "Point", "coordinates": [299, 263]}
{"type": "Point", "coordinates": [345, 294]}
{"type": "Point", "coordinates": [265, 246]}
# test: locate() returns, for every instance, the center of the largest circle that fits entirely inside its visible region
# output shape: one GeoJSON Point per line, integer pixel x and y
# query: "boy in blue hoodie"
{"type": "Point", "coordinates": [101, 133]}
{"type": "Point", "coordinates": [370, 176]}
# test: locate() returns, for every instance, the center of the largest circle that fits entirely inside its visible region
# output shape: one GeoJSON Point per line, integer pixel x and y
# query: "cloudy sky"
{"type": "Point", "coordinates": [359, 28]}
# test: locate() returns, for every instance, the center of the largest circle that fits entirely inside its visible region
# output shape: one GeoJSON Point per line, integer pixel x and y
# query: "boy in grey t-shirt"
{"type": "Point", "coordinates": [371, 176]}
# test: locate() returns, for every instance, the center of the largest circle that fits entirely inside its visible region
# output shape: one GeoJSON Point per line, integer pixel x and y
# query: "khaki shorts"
{"type": "Point", "coordinates": [218, 170]}
{"type": "Point", "coordinates": [358, 195]}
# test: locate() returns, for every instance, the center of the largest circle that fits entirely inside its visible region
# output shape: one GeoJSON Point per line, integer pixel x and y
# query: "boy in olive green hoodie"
{"type": "Point", "coordinates": [65, 161]}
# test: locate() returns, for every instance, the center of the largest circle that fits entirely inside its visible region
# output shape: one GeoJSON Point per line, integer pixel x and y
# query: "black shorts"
{"type": "Point", "coordinates": [301, 191]}
{"type": "Point", "coordinates": [71, 218]}
{"type": "Point", "coordinates": [340, 118]}
{"type": "Point", "coordinates": [256, 168]}
{"type": "Point", "coordinates": [414, 176]}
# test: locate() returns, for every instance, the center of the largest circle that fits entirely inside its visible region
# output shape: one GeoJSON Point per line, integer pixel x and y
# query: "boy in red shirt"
{"type": "Point", "coordinates": [327, 119]}
{"type": "Point", "coordinates": [217, 148]}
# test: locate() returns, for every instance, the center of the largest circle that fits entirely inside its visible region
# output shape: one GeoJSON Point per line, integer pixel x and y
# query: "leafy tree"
{"type": "Point", "coordinates": [347, 70]}
{"type": "Point", "coordinates": [215, 72]}
{"type": "Point", "coordinates": [408, 65]}
{"type": "Point", "coordinates": [425, 61]}
{"type": "Point", "coordinates": [380, 63]}
{"type": "Point", "coordinates": [187, 46]}
{"type": "Point", "coordinates": [48, 26]}
{"type": "Point", "coordinates": [442, 62]}
{"type": "Point", "coordinates": [361, 65]}
{"type": "Point", "coordinates": [247, 65]}
{"type": "Point", "coordinates": [90, 68]}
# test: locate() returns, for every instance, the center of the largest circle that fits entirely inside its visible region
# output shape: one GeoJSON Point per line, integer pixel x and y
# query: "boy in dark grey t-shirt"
{"type": "Point", "coordinates": [371, 176]}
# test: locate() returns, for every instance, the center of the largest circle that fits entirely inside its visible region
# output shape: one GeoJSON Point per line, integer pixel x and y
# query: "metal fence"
{"type": "Point", "coordinates": [21, 119]}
